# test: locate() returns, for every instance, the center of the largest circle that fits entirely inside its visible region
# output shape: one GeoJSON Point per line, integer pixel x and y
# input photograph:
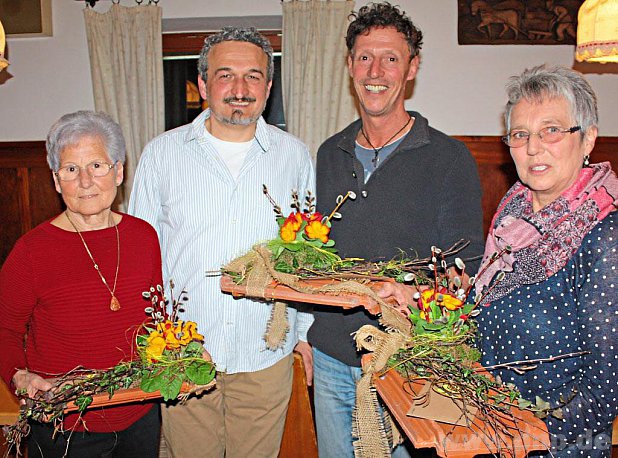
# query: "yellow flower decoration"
{"type": "Point", "coordinates": [186, 332]}
{"type": "Point", "coordinates": [317, 230]}
{"type": "Point", "coordinates": [450, 302]}
{"type": "Point", "coordinates": [445, 300]}
{"type": "Point", "coordinates": [427, 296]}
{"type": "Point", "coordinates": [190, 329]}
{"type": "Point", "coordinates": [290, 227]}
{"type": "Point", "coordinates": [168, 332]}
{"type": "Point", "coordinates": [155, 346]}
{"type": "Point", "coordinates": [171, 335]}
{"type": "Point", "coordinates": [287, 233]}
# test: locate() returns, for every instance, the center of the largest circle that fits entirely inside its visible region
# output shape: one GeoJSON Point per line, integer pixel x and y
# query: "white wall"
{"type": "Point", "coordinates": [459, 88]}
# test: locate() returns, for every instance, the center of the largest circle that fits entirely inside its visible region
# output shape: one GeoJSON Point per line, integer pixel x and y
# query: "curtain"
{"type": "Point", "coordinates": [318, 98]}
{"type": "Point", "coordinates": [126, 62]}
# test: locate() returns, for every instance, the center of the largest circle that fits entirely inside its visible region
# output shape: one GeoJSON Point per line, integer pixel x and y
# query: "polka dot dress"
{"type": "Point", "coordinates": [574, 310]}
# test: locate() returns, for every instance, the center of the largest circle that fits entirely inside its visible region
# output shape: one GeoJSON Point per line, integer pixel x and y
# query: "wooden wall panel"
{"type": "Point", "coordinates": [496, 171]}
{"type": "Point", "coordinates": [27, 194]}
{"type": "Point", "coordinates": [28, 197]}
{"type": "Point", "coordinates": [45, 201]}
{"type": "Point", "coordinates": [10, 211]}
{"type": "Point", "coordinates": [192, 42]}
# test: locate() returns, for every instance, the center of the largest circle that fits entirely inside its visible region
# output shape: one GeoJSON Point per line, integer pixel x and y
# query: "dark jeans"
{"type": "Point", "coordinates": [140, 440]}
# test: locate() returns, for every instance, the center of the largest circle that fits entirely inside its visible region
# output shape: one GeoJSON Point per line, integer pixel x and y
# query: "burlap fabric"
{"type": "Point", "coordinates": [375, 437]}
{"type": "Point", "coordinates": [258, 269]}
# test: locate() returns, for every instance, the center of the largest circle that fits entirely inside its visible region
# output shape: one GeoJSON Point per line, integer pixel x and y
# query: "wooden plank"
{"type": "Point", "coordinates": [528, 432]}
{"type": "Point", "coordinates": [285, 293]}
{"type": "Point", "coordinates": [126, 396]}
{"type": "Point", "coordinates": [299, 438]}
{"type": "Point", "coordinates": [9, 407]}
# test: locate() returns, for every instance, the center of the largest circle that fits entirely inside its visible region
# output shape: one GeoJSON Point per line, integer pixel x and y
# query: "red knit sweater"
{"type": "Point", "coordinates": [50, 291]}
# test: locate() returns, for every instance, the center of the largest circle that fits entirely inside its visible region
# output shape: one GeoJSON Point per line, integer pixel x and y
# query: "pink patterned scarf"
{"type": "Point", "coordinates": [543, 242]}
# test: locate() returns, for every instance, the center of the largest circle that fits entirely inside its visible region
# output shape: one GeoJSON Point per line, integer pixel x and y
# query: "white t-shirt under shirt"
{"type": "Point", "coordinates": [233, 154]}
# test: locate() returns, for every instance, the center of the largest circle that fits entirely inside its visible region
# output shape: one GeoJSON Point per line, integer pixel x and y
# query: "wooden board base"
{"type": "Point", "coordinates": [276, 291]}
{"type": "Point", "coordinates": [528, 433]}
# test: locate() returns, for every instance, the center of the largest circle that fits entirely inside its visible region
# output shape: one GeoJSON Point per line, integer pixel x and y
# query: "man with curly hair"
{"type": "Point", "coordinates": [417, 187]}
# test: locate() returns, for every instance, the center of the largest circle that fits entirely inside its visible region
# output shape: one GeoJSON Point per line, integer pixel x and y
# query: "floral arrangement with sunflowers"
{"type": "Point", "coordinates": [170, 359]}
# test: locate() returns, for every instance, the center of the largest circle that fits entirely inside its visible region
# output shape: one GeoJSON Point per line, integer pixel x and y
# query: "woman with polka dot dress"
{"type": "Point", "coordinates": [559, 290]}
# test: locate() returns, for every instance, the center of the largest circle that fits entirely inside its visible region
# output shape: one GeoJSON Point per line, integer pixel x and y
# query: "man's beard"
{"type": "Point", "coordinates": [238, 118]}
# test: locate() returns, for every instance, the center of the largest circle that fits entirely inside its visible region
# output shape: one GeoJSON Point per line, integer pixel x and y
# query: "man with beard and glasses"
{"type": "Point", "coordinates": [200, 186]}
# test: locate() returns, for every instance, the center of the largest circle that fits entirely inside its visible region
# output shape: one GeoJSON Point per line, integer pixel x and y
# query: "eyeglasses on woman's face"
{"type": "Point", "coordinates": [549, 134]}
{"type": "Point", "coordinates": [95, 169]}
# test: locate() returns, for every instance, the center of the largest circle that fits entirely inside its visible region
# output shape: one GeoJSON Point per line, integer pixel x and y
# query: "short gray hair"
{"type": "Point", "coordinates": [246, 34]}
{"type": "Point", "coordinates": [547, 82]}
{"type": "Point", "coordinates": [72, 127]}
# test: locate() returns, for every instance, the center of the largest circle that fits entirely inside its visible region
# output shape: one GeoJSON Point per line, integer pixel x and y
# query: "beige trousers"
{"type": "Point", "coordinates": [242, 417]}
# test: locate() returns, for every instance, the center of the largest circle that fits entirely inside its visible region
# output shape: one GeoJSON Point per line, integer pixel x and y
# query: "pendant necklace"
{"type": "Point", "coordinates": [376, 151]}
{"type": "Point", "coordinates": [114, 305]}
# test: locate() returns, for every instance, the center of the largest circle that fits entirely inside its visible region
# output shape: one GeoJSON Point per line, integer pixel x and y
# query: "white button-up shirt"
{"type": "Point", "coordinates": [205, 218]}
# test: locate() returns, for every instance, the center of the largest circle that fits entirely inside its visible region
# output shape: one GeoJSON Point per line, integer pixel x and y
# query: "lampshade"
{"type": "Point", "coordinates": [597, 31]}
{"type": "Point", "coordinates": [3, 62]}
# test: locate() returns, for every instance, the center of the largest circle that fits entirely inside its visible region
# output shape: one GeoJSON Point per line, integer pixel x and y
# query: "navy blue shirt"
{"type": "Point", "coordinates": [576, 309]}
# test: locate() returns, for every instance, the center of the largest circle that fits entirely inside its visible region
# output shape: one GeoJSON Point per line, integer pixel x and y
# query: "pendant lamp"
{"type": "Point", "coordinates": [597, 31]}
{"type": "Point", "coordinates": [3, 62]}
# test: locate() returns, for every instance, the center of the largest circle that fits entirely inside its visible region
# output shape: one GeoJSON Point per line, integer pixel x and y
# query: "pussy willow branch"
{"type": "Point", "coordinates": [492, 259]}
{"type": "Point", "coordinates": [276, 207]}
{"type": "Point", "coordinates": [338, 206]}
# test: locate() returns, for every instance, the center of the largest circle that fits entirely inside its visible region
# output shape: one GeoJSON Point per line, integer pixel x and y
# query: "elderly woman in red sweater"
{"type": "Point", "coordinates": [70, 292]}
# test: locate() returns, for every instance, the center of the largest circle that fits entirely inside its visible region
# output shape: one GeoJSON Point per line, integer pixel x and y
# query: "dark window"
{"type": "Point", "coordinates": [182, 101]}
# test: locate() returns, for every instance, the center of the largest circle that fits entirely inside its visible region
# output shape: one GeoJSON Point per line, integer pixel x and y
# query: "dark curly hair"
{"type": "Point", "coordinates": [384, 15]}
